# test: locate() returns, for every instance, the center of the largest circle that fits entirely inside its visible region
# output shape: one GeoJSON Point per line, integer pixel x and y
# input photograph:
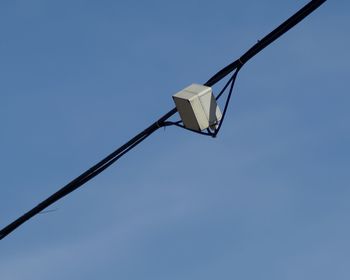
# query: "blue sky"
{"type": "Point", "coordinates": [267, 199]}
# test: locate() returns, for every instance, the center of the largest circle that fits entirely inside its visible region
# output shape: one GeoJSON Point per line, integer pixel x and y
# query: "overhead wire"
{"type": "Point", "coordinates": [162, 121]}
{"type": "Point", "coordinates": [267, 40]}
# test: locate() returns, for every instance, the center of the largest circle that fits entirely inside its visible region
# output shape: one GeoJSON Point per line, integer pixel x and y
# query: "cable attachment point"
{"type": "Point", "coordinates": [158, 125]}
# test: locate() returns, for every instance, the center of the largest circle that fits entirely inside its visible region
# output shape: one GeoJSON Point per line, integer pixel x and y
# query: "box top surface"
{"type": "Point", "coordinates": [192, 91]}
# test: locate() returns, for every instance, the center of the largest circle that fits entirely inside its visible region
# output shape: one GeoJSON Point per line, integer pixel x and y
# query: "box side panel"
{"type": "Point", "coordinates": [210, 108]}
{"type": "Point", "coordinates": [186, 112]}
{"type": "Point", "coordinates": [215, 112]}
{"type": "Point", "coordinates": [199, 113]}
{"type": "Point", "coordinates": [218, 111]}
{"type": "Point", "coordinates": [205, 100]}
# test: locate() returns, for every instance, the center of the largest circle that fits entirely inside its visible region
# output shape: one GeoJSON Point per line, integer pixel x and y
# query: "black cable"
{"type": "Point", "coordinates": [267, 40]}
{"type": "Point", "coordinates": [192, 130]}
{"type": "Point", "coordinates": [79, 181]}
{"type": "Point", "coordinates": [110, 159]}
{"type": "Point", "coordinates": [224, 88]}
{"type": "Point", "coordinates": [113, 160]}
{"type": "Point", "coordinates": [233, 80]}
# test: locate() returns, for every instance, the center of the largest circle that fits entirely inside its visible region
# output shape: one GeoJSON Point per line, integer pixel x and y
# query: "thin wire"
{"type": "Point", "coordinates": [233, 80]}
{"type": "Point", "coordinates": [48, 211]}
{"type": "Point", "coordinates": [183, 127]}
{"type": "Point", "coordinates": [225, 87]}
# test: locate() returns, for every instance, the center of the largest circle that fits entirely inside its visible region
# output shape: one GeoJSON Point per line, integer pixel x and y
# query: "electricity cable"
{"type": "Point", "coordinates": [162, 121]}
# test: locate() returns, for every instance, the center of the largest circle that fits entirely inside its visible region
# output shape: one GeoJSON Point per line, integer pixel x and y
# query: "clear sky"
{"type": "Point", "coordinates": [267, 199]}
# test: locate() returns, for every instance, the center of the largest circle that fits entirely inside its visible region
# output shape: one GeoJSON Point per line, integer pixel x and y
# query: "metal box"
{"type": "Point", "coordinates": [197, 107]}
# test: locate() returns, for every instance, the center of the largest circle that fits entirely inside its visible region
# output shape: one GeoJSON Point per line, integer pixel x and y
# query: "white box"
{"type": "Point", "coordinates": [197, 107]}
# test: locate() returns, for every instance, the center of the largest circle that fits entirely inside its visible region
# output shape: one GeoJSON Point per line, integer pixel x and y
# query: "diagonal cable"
{"type": "Point", "coordinates": [110, 159]}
